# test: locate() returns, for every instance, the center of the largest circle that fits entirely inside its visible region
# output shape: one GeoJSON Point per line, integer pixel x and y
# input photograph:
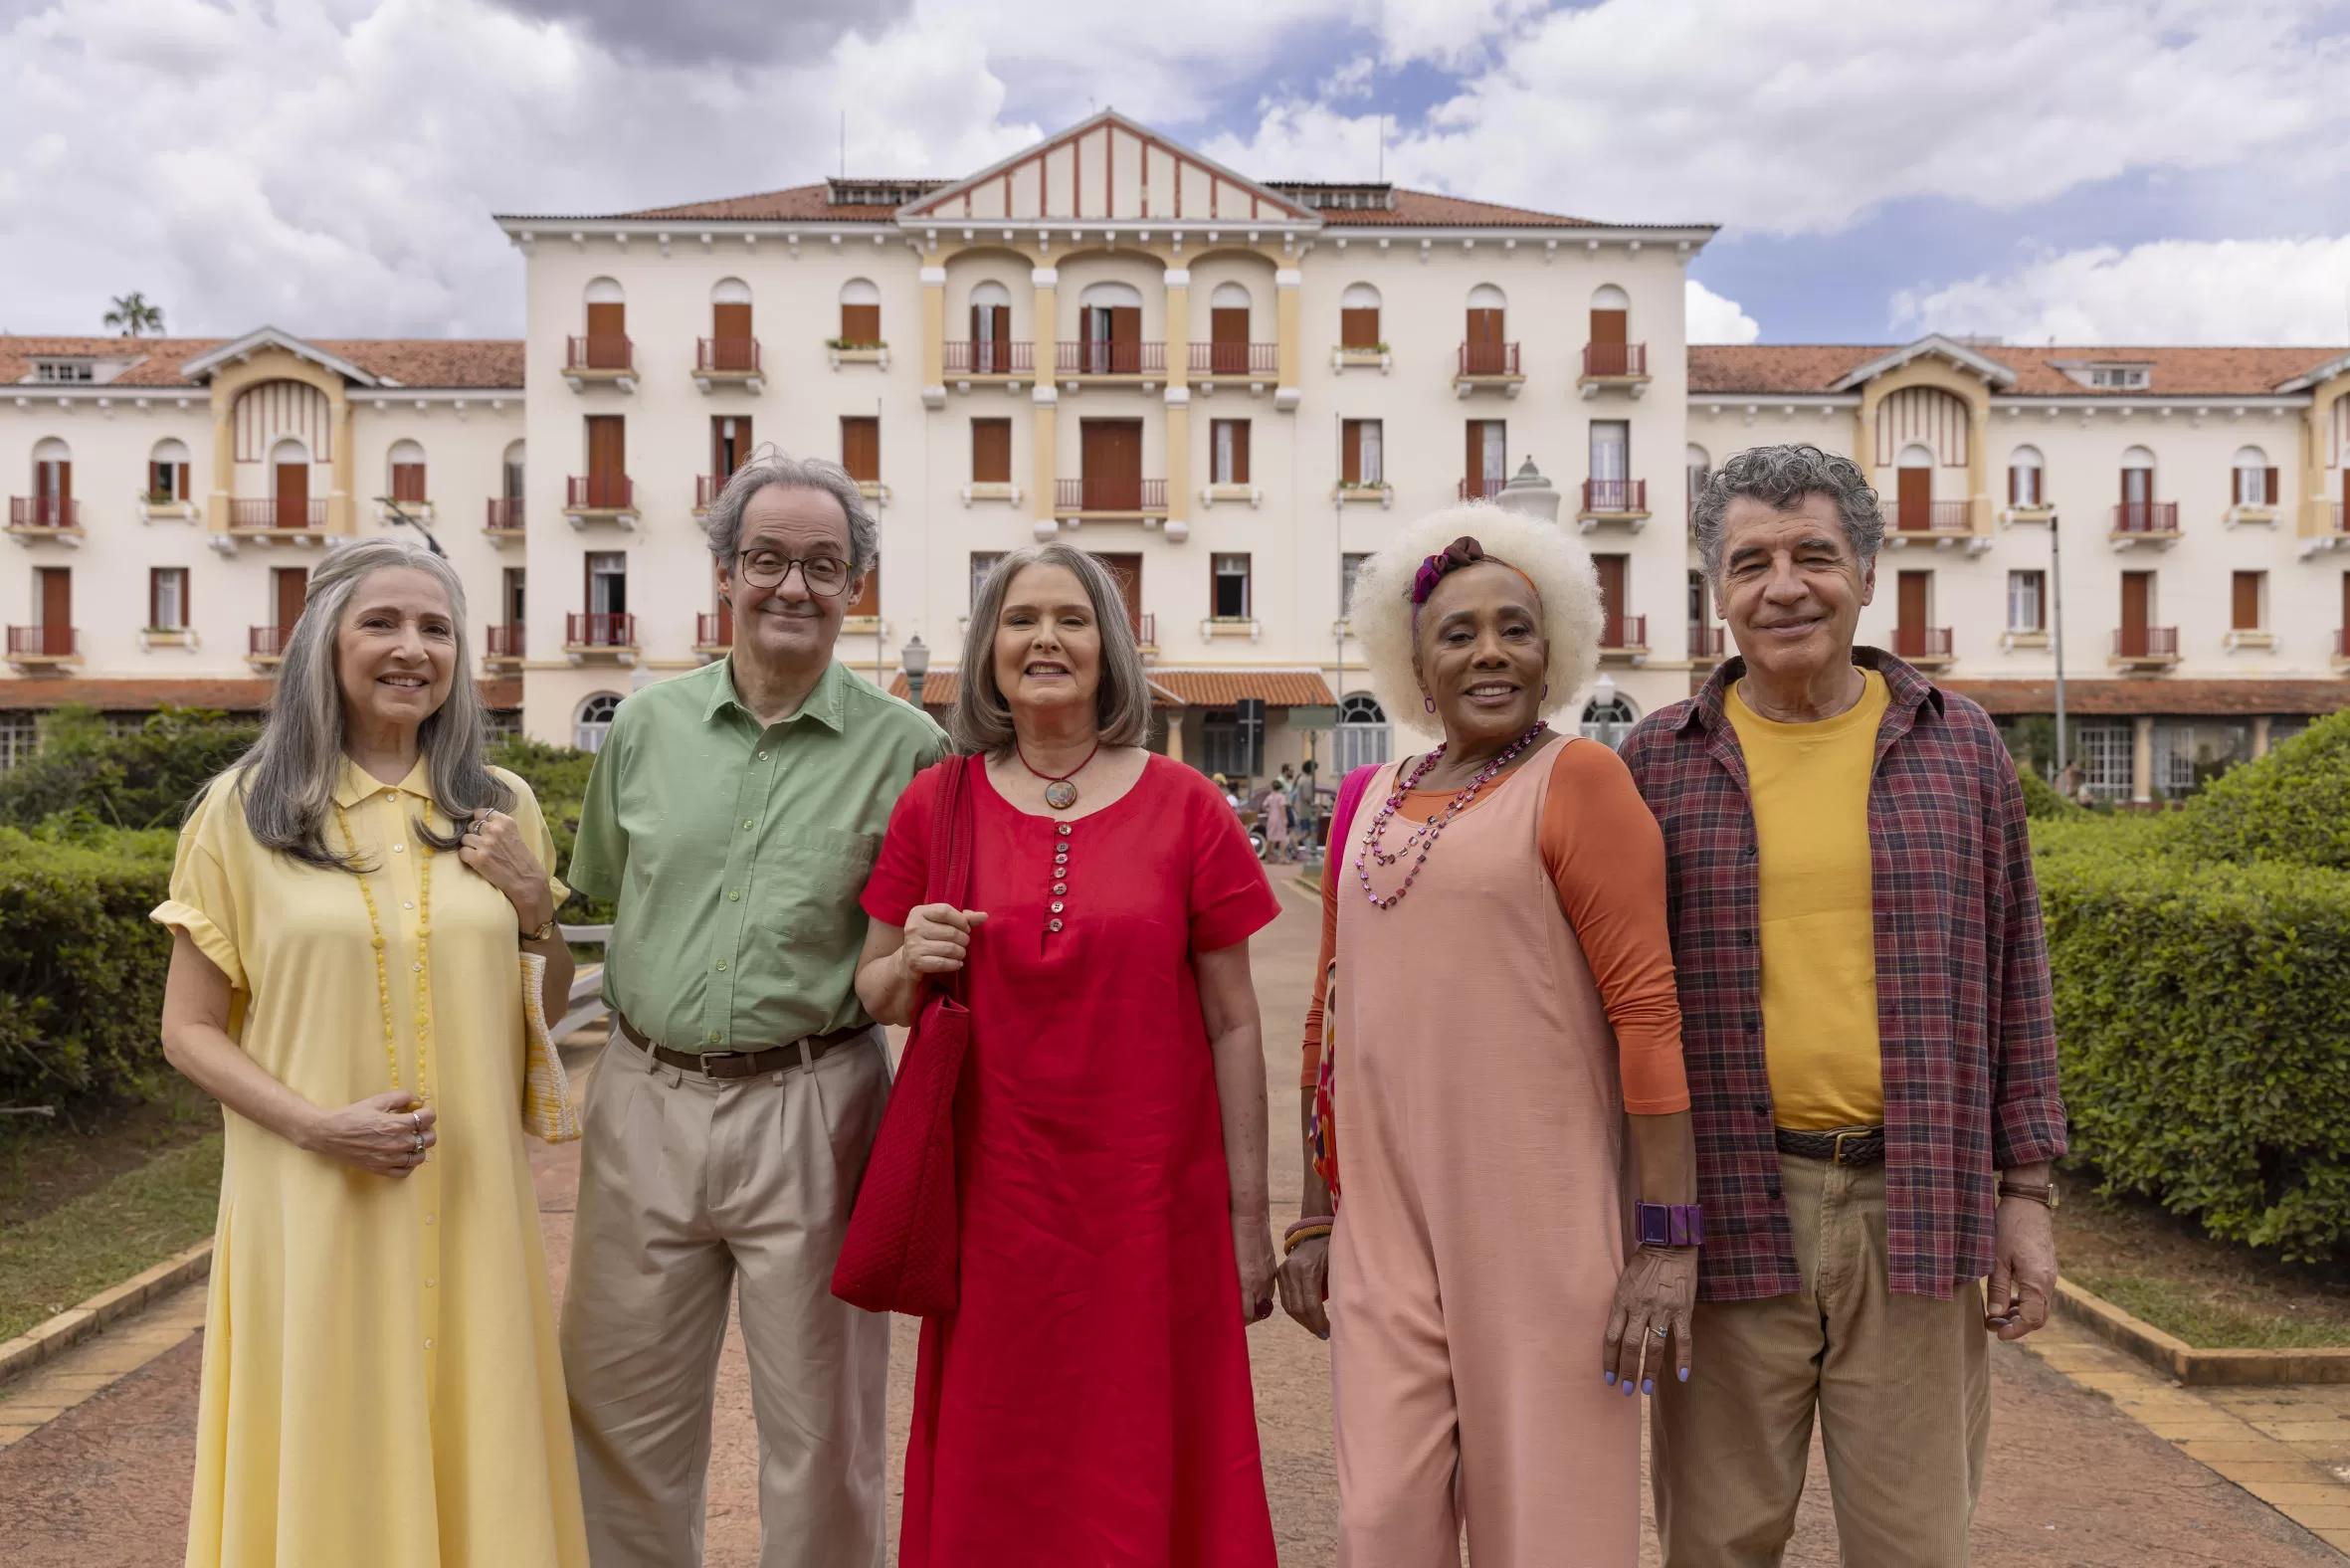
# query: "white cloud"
{"type": "Point", "coordinates": [1714, 319]}
{"type": "Point", "coordinates": [2171, 292]}
{"type": "Point", "coordinates": [1801, 115]}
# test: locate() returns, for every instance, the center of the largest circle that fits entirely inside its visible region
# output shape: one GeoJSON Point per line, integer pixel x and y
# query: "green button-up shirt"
{"type": "Point", "coordinates": [737, 853]}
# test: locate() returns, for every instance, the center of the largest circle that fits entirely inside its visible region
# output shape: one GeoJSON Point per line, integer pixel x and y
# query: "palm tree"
{"type": "Point", "coordinates": [134, 316]}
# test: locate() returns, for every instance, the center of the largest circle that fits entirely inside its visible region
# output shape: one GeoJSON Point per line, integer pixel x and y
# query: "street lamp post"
{"type": "Point", "coordinates": [917, 665]}
{"type": "Point", "coordinates": [395, 514]}
{"type": "Point", "coordinates": [1530, 493]}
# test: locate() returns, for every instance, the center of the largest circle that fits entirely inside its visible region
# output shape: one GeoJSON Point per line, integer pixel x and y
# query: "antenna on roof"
{"type": "Point", "coordinates": [1383, 146]}
{"type": "Point", "coordinates": [844, 143]}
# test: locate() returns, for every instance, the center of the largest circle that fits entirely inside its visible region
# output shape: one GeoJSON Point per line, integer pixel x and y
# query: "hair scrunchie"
{"type": "Point", "coordinates": [1462, 552]}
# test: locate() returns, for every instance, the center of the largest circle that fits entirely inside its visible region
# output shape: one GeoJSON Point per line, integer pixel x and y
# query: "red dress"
{"type": "Point", "coordinates": [1087, 1405]}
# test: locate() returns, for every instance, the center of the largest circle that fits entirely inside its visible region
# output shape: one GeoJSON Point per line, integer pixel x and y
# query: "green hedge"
{"type": "Point", "coordinates": [2292, 805]}
{"type": "Point", "coordinates": [140, 780]}
{"type": "Point", "coordinates": [2204, 1028]}
{"type": "Point", "coordinates": [81, 968]}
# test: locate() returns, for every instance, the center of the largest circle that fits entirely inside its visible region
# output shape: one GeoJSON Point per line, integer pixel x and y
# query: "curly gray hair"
{"type": "Point", "coordinates": [1779, 478]}
{"type": "Point", "coordinates": [723, 523]}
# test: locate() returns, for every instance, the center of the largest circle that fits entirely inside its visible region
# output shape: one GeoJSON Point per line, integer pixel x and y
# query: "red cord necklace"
{"type": "Point", "coordinates": [1059, 793]}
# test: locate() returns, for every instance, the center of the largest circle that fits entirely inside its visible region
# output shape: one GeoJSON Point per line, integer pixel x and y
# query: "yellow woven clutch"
{"type": "Point", "coordinates": [549, 1110]}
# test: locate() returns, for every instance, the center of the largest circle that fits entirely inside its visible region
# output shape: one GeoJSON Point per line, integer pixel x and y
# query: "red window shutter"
{"type": "Point", "coordinates": [991, 451]}
{"type": "Point", "coordinates": [1239, 452]}
{"type": "Point", "coordinates": [861, 323]}
{"type": "Point", "coordinates": [730, 323]}
{"type": "Point", "coordinates": [1350, 452]}
{"type": "Point", "coordinates": [2247, 602]}
{"type": "Point", "coordinates": [2272, 479]}
{"type": "Point", "coordinates": [1359, 328]}
{"type": "Point", "coordinates": [2014, 479]}
{"type": "Point", "coordinates": [868, 593]}
{"type": "Point", "coordinates": [407, 482]}
{"type": "Point", "coordinates": [154, 594]}
{"type": "Point", "coordinates": [861, 448]}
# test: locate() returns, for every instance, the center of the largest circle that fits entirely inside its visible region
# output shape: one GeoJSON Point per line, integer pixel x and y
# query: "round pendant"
{"type": "Point", "coordinates": [1060, 794]}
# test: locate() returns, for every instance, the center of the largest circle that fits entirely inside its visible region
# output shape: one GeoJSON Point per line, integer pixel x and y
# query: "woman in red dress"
{"type": "Point", "coordinates": [1088, 1404]}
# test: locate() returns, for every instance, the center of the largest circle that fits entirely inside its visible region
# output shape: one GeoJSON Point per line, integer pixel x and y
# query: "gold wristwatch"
{"type": "Point", "coordinates": [2044, 1195]}
{"type": "Point", "coordinates": [542, 934]}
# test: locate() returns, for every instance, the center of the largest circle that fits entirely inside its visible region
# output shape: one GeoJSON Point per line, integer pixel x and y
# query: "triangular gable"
{"type": "Point", "coordinates": [1957, 353]}
{"type": "Point", "coordinates": [1108, 169]}
{"type": "Point", "coordinates": [251, 343]}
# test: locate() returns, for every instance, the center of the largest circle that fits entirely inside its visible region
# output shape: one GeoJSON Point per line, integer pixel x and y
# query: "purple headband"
{"type": "Point", "coordinates": [1462, 552]}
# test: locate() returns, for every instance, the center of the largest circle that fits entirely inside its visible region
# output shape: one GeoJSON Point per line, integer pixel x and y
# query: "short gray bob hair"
{"type": "Point", "coordinates": [768, 465]}
{"type": "Point", "coordinates": [982, 719]}
{"type": "Point", "coordinates": [1779, 478]}
{"type": "Point", "coordinates": [287, 781]}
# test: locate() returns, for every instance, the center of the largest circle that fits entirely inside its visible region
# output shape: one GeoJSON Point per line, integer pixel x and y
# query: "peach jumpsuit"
{"type": "Point", "coordinates": [1484, 1212]}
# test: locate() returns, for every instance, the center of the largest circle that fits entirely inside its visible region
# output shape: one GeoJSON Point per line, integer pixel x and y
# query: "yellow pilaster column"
{"type": "Point", "coordinates": [934, 333]}
{"type": "Point", "coordinates": [2317, 506]}
{"type": "Point", "coordinates": [1045, 471]}
{"type": "Point", "coordinates": [1178, 281]}
{"type": "Point", "coordinates": [1864, 433]}
{"type": "Point", "coordinates": [2142, 759]}
{"type": "Point", "coordinates": [341, 508]}
{"type": "Point", "coordinates": [1175, 734]}
{"type": "Point", "coordinates": [1978, 439]}
{"type": "Point", "coordinates": [1178, 462]}
{"type": "Point", "coordinates": [1290, 356]}
{"type": "Point", "coordinates": [219, 515]}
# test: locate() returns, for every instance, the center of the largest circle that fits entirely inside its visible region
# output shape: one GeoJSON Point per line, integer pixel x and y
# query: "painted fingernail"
{"type": "Point", "coordinates": [1684, 1374]}
{"type": "Point", "coordinates": [1628, 1388]}
{"type": "Point", "coordinates": [1647, 1385]}
{"type": "Point", "coordinates": [1611, 1377]}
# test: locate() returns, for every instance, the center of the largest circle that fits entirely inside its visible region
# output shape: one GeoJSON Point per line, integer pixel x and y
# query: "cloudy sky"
{"type": "Point", "coordinates": [2121, 171]}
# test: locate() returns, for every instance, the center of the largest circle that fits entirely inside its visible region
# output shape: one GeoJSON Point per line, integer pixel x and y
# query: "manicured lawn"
{"type": "Point", "coordinates": [131, 1222]}
{"type": "Point", "coordinates": [2215, 1295]}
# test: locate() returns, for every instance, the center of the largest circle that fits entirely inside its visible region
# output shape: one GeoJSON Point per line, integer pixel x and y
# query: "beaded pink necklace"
{"type": "Point", "coordinates": [1426, 834]}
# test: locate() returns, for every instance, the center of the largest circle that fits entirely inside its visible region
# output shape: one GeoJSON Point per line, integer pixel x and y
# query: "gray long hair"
{"type": "Point", "coordinates": [723, 523]}
{"type": "Point", "coordinates": [982, 721]}
{"type": "Point", "coordinates": [1779, 477]}
{"type": "Point", "coordinates": [288, 777]}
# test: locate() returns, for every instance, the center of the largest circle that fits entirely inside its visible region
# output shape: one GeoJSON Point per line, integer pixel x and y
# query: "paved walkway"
{"type": "Point", "coordinates": [2109, 1466]}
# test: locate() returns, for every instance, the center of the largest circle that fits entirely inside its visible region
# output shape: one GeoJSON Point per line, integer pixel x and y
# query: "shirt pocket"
{"type": "Point", "coordinates": [823, 871]}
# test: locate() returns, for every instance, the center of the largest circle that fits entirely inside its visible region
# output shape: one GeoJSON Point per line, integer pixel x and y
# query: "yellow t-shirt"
{"type": "Point", "coordinates": [1809, 786]}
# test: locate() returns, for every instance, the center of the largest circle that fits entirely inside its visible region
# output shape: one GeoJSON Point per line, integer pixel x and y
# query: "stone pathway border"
{"type": "Point", "coordinates": [48, 1340]}
{"type": "Point", "coordinates": [167, 1317]}
{"type": "Point", "coordinates": [2168, 1353]}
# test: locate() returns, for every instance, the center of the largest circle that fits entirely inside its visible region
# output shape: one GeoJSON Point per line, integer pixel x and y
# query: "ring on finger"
{"type": "Point", "coordinates": [1660, 1331]}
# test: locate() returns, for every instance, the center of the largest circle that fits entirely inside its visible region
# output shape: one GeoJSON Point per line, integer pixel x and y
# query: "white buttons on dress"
{"type": "Point", "coordinates": [407, 904]}
{"type": "Point", "coordinates": [1053, 925]}
{"type": "Point", "coordinates": [1063, 829]}
{"type": "Point", "coordinates": [397, 848]}
{"type": "Point", "coordinates": [1057, 906]}
{"type": "Point", "coordinates": [1060, 889]}
{"type": "Point", "coordinates": [428, 1219]}
{"type": "Point", "coordinates": [428, 1344]}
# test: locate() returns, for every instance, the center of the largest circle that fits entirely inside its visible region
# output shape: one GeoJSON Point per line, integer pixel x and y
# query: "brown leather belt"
{"type": "Point", "coordinates": [1858, 1147]}
{"type": "Point", "coordinates": [742, 1063]}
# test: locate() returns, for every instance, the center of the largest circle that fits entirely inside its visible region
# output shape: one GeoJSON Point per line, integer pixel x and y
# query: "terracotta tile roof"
{"type": "Point", "coordinates": [420, 362]}
{"type": "Point", "coordinates": [1434, 209]}
{"type": "Point", "coordinates": [1174, 688]}
{"type": "Point", "coordinates": [2184, 698]}
{"type": "Point", "coordinates": [1766, 368]}
{"type": "Point", "coordinates": [793, 204]}
{"type": "Point", "coordinates": [1223, 688]}
{"type": "Point", "coordinates": [226, 695]}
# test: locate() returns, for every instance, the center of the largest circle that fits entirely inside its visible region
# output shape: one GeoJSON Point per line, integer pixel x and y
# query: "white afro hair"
{"type": "Point", "coordinates": [1556, 561]}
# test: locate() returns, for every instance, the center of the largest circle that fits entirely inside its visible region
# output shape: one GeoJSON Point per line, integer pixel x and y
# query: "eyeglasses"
{"type": "Point", "coordinates": [824, 574]}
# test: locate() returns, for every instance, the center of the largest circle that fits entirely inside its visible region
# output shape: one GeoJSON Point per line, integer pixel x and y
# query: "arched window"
{"type": "Point", "coordinates": [290, 486]}
{"type": "Point", "coordinates": [1358, 317]}
{"type": "Point", "coordinates": [1485, 351]}
{"type": "Point", "coordinates": [593, 721]}
{"type": "Point", "coordinates": [1611, 334]}
{"type": "Point", "coordinates": [52, 485]}
{"type": "Point", "coordinates": [1363, 734]}
{"type": "Point", "coordinates": [991, 329]}
{"type": "Point", "coordinates": [1229, 296]}
{"type": "Point", "coordinates": [2255, 481]}
{"type": "Point", "coordinates": [513, 472]}
{"type": "Point", "coordinates": [407, 465]}
{"type": "Point", "coordinates": [733, 346]}
{"type": "Point", "coordinates": [1700, 468]}
{"type": "Point", "coordinates": [1608, 717]}
{"type": "Point", "coordinates": [2138, 511]}
{"type": "Point", "coordinates": [1109, 323]}
{"type": "Point", "coordinates": [860, 314]}
{"type": "Point", "coordinates": [1228, 331]}
{"type": "Point", "coordinates": [1914, 501]}
{"type": "Point", "coordinates": [167, 473]}
{"type": "Point", "coordinates": [2026, 479]}
{"type": "Point", "coordinates": [606, 346]}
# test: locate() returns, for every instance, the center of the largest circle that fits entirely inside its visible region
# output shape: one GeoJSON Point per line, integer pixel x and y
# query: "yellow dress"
{"type": "Point", "coordinates": [382, 1386]}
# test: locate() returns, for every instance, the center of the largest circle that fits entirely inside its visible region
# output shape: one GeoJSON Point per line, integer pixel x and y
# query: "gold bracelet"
{"type": "Point", "coordinates": [1300, 1236]}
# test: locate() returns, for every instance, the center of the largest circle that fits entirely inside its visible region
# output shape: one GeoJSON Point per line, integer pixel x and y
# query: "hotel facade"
{"type": "Point", "coordinates": [1231, 390]}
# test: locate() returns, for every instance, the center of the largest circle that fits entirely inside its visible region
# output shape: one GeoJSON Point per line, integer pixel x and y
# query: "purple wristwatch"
{"type": "Point", "coordinates": [1669, 1224]}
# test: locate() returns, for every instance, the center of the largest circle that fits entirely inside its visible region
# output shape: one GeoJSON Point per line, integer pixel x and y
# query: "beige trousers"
{"type": "Point", "coordinates": [1901, 1384]}
{"type": "Point", "coordinates": [687, 1185]}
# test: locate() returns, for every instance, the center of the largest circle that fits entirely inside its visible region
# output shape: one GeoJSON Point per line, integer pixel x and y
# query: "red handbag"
{"type": "Point", "coordinates": [900, 1252]}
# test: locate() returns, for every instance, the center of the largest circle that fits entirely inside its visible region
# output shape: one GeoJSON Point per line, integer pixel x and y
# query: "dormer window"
{"type": "Point", "coordinates": [2121, 378]}
{"type": "Point", "coordinates": [65, 372]}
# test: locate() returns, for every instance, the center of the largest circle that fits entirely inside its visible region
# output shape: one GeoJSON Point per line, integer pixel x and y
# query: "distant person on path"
{"type": "Point", "coordinates": [348, 908]}
{"type": "Point", "coordinates": [1508, 1083]}
{"type": "Point", "coordinates": [734, 813]}
{"type": "Point", "coordinates": [1088, 1401]}
{"type": "Point", "coordinates": [1871, 1054]}
{"type": "Point", "coordinates": [1277, 824]}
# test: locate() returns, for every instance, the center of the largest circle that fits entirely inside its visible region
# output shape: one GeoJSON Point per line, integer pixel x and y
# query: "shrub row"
{"type": "Point", "coordinates": [2205, 1025]}
{"type": "Point", "coordinates": [81, 968]}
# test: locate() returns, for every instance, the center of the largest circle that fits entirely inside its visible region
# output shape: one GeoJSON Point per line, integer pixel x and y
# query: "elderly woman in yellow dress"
{"type": "Point", "coordinates": [381, 1382]}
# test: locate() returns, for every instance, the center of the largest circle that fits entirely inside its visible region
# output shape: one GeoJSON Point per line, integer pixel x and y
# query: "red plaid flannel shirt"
{"type": "Point", "coordinates": [1963, 1013]}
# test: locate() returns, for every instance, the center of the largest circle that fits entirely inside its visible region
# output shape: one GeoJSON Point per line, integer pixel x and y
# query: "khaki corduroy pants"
{"type": "Point", "coordinates": [1901, 1385]}
{"type": "Point", "coordinates": [687, 1185]}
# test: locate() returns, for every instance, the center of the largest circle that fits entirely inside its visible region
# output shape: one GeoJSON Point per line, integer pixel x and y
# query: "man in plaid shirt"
{"type": "Point", "coordinates": [1871, 1057]}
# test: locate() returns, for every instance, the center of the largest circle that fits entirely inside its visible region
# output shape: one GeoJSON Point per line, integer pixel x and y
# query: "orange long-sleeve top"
{"type": "Point", "coordinates": [1606, 856]}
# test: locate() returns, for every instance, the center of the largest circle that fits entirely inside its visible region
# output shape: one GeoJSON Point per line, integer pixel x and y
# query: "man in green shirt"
{"type": "Point", "coordinates": [734, 813]}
